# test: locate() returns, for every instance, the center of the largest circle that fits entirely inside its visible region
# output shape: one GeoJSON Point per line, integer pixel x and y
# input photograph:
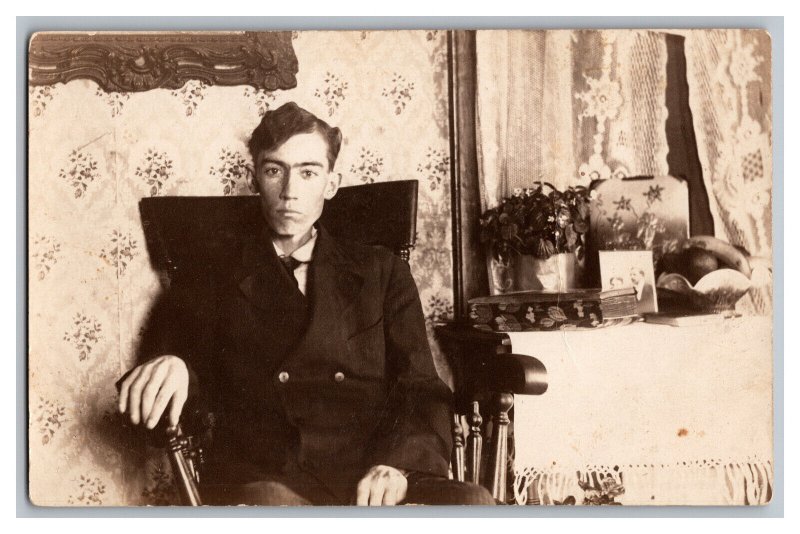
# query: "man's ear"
{"type": "Point", "coordinates": [332, 185]}
{"type": "Point", "coordinates": [252, 182]}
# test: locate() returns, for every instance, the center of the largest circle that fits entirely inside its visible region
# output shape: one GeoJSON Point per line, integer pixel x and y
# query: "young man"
{"type": "Point", "coordinates": [312, 351]}
{"type": "Point", "coordinates": [645, 302]}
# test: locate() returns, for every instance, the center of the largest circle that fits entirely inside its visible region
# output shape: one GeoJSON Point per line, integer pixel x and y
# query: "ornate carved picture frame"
{"type": "Point", "coordinates": [140, 61]}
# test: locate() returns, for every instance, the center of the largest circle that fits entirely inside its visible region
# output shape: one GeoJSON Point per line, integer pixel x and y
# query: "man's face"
{"type": "Point", "coordinates": [294, 181]}
{"type": "Point", "coordinates": [635, 276]}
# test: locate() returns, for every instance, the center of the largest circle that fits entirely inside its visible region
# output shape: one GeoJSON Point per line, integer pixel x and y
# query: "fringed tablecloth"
{"type": "Point", "coordinates": [648, 414]}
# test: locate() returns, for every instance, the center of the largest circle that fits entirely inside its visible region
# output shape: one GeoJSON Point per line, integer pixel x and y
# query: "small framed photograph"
{"type": "Point", "coordinates": [631, 268]}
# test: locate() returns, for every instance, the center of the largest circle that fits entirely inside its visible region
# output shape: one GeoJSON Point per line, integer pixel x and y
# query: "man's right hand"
{"type": "Point", "coordinates": [150, 387]}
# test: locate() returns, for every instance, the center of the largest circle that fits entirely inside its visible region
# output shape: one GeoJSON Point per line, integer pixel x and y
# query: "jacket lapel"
{"type": "Point", "coordinates": [333, 271]}
{"type": "Point", "coordinates": [335, 285]}
{"type": "Point", "coordinates": [262, 279]}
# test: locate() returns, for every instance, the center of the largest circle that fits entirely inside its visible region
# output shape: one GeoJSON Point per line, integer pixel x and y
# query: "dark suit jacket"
{"type": "Point", "coordinates": [359, 388]}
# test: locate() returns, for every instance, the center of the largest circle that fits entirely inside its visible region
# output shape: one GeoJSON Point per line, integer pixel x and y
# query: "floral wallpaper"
{"type": "Point", "coordinates": [93, 155]}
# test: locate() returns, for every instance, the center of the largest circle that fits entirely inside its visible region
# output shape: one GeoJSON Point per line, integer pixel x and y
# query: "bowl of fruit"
{"type": "Point", "coordinates": [705, 274]}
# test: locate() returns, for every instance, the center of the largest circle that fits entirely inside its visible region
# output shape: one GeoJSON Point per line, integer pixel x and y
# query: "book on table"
{"type": "Point", "coordinates": [537, 310]}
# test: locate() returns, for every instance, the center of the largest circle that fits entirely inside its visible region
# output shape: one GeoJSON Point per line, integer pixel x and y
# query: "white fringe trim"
{"type": "Point", "coordinates": [702, 482]}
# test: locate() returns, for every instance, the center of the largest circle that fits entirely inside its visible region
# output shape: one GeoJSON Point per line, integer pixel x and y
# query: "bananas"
{"type": "Point", "coordinates": [723, 251]}
{"type": "Point", "coordinates": [710, 274]}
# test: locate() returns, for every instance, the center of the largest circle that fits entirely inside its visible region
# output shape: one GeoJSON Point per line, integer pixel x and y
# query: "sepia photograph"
{"type": "Point", "coordinates": [634, 269]}
{"type": "Point", "coordinates": [400, 267]}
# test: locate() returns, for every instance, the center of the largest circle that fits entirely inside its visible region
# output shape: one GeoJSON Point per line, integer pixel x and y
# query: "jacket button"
{"type": "Point", "coordinates": [283, 376]}
{"type": "Point", "coordinates": [339, 376]}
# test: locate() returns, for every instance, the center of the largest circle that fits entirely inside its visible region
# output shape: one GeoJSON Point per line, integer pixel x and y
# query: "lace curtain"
{"type": "Point", "coordinates": [730, 92]}
{"type": "Point", "coordinates": [569, 107]}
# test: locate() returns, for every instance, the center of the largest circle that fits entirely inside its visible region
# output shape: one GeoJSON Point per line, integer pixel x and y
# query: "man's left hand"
{"type": "Point", "coordinates": [381, 486]}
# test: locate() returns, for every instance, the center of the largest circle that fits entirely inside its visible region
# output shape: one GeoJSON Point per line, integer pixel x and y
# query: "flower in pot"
{"type": "Point", "coordinates": [537, 234]}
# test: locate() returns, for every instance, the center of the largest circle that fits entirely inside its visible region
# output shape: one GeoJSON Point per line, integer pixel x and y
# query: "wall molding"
{"type": "Point", "coordinates": [470, 277]}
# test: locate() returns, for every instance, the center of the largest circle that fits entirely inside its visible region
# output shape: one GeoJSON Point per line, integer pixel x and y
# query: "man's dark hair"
{"type": "Point", "coordinates": [278, 125]}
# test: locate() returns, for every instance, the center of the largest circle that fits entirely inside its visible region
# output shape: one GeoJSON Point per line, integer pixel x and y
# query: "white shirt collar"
{"type": "Point", "coordinates": [304, 253]}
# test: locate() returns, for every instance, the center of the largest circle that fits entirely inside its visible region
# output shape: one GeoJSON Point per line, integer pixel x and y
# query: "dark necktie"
{"type": "Point", "coordinates": [290, 264]}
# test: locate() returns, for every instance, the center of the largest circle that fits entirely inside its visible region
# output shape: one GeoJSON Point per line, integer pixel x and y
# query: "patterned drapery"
{"type": "Point", "coordinates": [93, 155]}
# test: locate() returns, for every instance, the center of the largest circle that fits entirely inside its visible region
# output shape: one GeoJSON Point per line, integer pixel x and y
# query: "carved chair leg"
{"type": "Point", "coordinates": [458, 448]}
{"type": "Point", "coordinates": [501, 404]}
{"type": "Point", "coordinates": [474, 443]}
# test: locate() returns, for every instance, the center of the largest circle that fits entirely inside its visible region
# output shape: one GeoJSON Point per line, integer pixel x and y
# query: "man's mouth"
{"type": "Point", "coordinates": [288, 212]}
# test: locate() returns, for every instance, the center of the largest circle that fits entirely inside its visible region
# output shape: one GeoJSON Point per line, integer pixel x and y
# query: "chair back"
{"type": "Point", "coordinates": [188, 233]}
{"type": "Point", "coordinates": [375, 214]}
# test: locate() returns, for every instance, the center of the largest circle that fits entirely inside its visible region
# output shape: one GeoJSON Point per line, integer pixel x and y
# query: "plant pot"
{"type": "Point", "coordinates": [557, 273]}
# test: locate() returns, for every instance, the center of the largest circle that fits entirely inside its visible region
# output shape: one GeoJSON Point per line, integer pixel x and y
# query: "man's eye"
{"type": "Point", "coordinates": [306, 173]}
{"type": "Point", "coordinates": [272, 171]}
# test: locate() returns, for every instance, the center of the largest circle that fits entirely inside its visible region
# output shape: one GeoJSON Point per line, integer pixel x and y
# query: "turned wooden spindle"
{"type": "Point", "coordinates": [458, 448]}
{"type": "Point", "coordinates": [182, 467]}
{"type": "Point", "coordinates": [502, 403]}
{"type": "Point", "coordinates": [474, 443]}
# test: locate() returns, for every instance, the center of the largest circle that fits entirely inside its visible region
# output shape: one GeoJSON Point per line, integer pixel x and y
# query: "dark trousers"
{"type": "Point", "coordinates": [305, 490]}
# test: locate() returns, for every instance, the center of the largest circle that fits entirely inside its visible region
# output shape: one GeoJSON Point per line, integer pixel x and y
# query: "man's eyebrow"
{"type": "Point", "coordinates": [275, 161]}
{"type": "Point", "coordinates": [267, 161]}
{"type": "Point", "coordinates": [302, 164]}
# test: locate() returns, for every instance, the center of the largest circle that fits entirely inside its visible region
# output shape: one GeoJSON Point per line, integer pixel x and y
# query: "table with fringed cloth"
{"type": "Point", "coordinates": [674, 415]}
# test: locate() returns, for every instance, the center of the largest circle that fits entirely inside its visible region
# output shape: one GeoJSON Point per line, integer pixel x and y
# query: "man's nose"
{"type": "Point", "coordinates": [289, 190]}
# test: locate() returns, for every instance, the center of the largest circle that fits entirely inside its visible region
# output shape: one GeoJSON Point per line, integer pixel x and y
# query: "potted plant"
{"type": "Point", "coordinates": [536, 237]}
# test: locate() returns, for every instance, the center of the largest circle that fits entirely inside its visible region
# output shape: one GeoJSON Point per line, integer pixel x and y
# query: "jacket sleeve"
{"type": "Point", "coordinates": [415, 434]}
{"type": "Point", "coordinates": [178, 325]}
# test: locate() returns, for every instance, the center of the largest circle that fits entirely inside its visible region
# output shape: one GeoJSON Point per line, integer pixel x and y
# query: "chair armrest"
{"type": "Point", "coordinates": [517, 374]}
